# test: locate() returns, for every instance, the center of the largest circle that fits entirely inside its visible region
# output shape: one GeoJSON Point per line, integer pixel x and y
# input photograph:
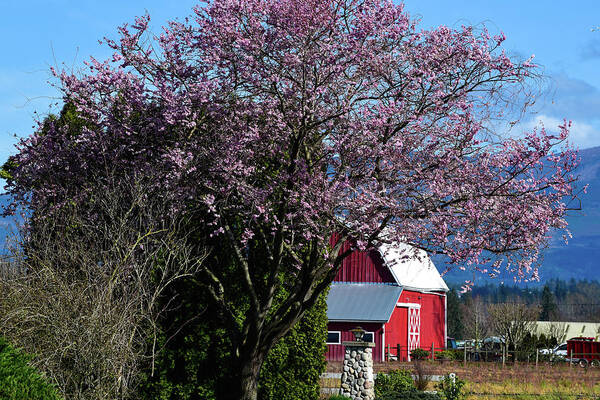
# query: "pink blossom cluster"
{"type": "Point", "coordinates": [301, 118]}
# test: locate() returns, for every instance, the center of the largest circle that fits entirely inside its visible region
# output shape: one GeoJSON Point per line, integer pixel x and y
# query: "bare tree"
{"type": "Point", "coordinates": [557, 330]}
{"type": "Point", "coordinates": [475, 319]}
{"type": "Point", "coordinates": [513, 321]}
{"type": "Point", "coordinates": [89, 299]}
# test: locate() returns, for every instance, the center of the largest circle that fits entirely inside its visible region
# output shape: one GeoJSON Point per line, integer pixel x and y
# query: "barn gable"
{"type": "Point", "coordinates": [364, 266]}
{"type": "Point", "coordinates": [396, 263]}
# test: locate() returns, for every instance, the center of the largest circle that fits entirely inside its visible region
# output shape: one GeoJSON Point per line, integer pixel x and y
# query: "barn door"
{"type": "Point", "coordinates": [414, 329]}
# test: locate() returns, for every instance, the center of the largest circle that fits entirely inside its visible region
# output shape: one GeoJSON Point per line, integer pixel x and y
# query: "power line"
{"type": "Point", "coordinates": [536, 303]}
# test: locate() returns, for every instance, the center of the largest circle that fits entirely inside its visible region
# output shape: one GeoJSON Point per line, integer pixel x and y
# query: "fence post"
{"type": "Point", "coordinates": [432, 352]}
{"type": "Point", "coordinates": [537, 356]}
{"type": "Point", "coordinates": [398, 351]}
{"type": "Point", "coordinates": [571, 360]}
{"type": "Point", "coordinates": [465, 354]}
{"type": "Point", "coordinates": [503, 354]}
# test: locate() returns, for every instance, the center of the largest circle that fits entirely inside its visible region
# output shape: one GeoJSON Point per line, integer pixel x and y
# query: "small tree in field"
{"type": "Point", "coordinates": [513, 321]}
{"type": "Point", "coordinates": [275, 124]}
{"type": "Point", "coordinates": [556, 332]}
{"type": "Point", "coordinates": [476, 319]}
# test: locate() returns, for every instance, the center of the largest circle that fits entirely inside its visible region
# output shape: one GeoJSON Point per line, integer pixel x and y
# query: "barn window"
{"type": "Point", "coordinates": [333, 337]}
{"type": "Point", "coordinates": [369, 337]}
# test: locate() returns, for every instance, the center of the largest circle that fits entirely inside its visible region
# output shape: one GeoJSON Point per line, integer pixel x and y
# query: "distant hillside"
{"type": "Point", "coordinates": [579, 259]}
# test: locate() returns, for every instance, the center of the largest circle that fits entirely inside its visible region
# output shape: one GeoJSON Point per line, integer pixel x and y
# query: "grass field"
{"type": "Point", "coordinates": [536, 388]}
{"type": "Point", "coordinates": [521, 381]}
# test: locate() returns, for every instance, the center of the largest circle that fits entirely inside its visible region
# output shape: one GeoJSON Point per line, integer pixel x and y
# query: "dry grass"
{"type": "Point", "coordinates": [521, 381]}
{"type": "Point", "coordinates": [539, 388]}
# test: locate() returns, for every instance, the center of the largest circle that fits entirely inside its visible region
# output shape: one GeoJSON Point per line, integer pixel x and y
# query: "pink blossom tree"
{"type": "Point", "coordinates": [276, 124]}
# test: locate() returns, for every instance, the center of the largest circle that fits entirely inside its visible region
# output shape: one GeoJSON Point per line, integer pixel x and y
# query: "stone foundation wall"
{"type": "Point", "coordinates": [357, 380]}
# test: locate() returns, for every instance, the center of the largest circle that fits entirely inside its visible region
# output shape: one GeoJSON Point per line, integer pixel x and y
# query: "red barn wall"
{"type": "Point", "coordinates": [432, 321]}
{"type": "Point", "coordinates": [396, 331]}
{"type": "Point", "coordinates": [432, 328]}
{"type": "Point", "coordinates": [335, 352]}
{"type": "Point", "coordinates": [362, 266]}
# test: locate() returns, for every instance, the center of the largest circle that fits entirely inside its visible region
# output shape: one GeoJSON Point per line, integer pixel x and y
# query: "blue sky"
{"type": "Point", "coordinates": [560, 36]}
{"type": "Point", "coordinates": [39, 34]}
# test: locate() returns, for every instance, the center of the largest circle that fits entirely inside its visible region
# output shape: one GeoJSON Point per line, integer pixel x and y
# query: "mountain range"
{"type": "Point", "coordinates": [580, 257]}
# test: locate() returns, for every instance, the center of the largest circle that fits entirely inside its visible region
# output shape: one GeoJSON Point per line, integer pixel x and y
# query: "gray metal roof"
{"type": "Point", "coordinates": [362, 301]}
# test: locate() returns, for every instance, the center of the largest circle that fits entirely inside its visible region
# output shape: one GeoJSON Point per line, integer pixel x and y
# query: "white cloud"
{"type": "Point", "coordinates": [582, 135]}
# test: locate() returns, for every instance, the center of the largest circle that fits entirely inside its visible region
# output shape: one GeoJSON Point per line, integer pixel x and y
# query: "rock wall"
{"type": "Point", "coordinates": [357, 380]}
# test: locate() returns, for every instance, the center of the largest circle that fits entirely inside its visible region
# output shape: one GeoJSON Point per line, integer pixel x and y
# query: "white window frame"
{"type": "Point", "coordinates": [372, 335]}
{"type": "Point", "coordinates": [339, 333]}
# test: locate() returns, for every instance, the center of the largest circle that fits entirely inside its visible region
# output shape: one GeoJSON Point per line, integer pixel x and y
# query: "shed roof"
{"type": "Point", "coordinates": [569, 329]}
{"type": "Point", "coordinates": [366, 302]}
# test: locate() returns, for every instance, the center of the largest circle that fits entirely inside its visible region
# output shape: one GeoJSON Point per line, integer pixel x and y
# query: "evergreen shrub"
{"type": "Point", "coordinates": [19, 380]}
{"type": "Point", "coordinates": [185, 368]}
{"type": "Point", "coordinates": [294, 366]}
{"type": "Point", "coordinates": [419, 354]}
{"type": "Point", "coordinates": [412, 395]}
{"type": "Point", "coordinates": [451, 389]}
{"type": "Point", "coordinates": [448, 354]}
{"type": "Point", "coordinates": [398, 381]}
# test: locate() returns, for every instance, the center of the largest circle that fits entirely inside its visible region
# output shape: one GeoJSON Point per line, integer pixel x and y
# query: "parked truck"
{"type": "Point", "coordinates": [584, 351]}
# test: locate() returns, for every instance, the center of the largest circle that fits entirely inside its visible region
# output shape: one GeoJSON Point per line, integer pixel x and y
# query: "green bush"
{"type": "Point", "coordinates": [419, 354]}
{"type": "Point", "coordinates": [449, 354]}
{"type": "Point", "coordinates": [189, 349]}
{"type": "Point", "coordinates": [185, 368]}
{"type": "Point", "coordinates": [414, 395]}
{"type": "Point", "coordinates": [337, 397]}
{"type": "Point", "coordinates": [451, 388]}
{"type": "Point", "coordinates": [294, 365]}
{"type": "Point", "coordinates": [398, 381]}
{"type": "Point", "coordinates": [20, 381]}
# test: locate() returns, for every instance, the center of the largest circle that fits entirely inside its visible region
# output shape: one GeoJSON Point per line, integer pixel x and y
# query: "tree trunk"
{"type": "Point", "coordinates": [244, 383]}
{"type": "Point", "coordinates": [249, 378]}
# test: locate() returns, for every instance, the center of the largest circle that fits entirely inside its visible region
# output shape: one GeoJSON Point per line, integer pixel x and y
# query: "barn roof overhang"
{"type": "Point", "coordinates": [362, 302]}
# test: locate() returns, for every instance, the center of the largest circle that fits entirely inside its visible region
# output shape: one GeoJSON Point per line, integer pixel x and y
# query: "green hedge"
{"type": "Point", "coordinates": [20, 381]}
{"type": "Point", "coordinates": [419, 354]}
{"type": "Point", "coordinates": [293, 367]}
{"type": "Point", "coordinates": [413, 395]}
{"type": "Point", "coordinates": [397, 381]}
{"type": "Point", "coordinates": [185, 365]}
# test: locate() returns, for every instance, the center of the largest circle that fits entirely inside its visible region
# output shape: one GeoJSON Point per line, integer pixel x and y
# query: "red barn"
{"type": "Point", "coordinates": [395, 293]}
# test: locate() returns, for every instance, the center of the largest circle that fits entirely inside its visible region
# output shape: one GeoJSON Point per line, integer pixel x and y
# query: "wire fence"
{"type": "Point", "coordinates": [555, 395]}
{"type": "Point", "coordinates": [498, 353]}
